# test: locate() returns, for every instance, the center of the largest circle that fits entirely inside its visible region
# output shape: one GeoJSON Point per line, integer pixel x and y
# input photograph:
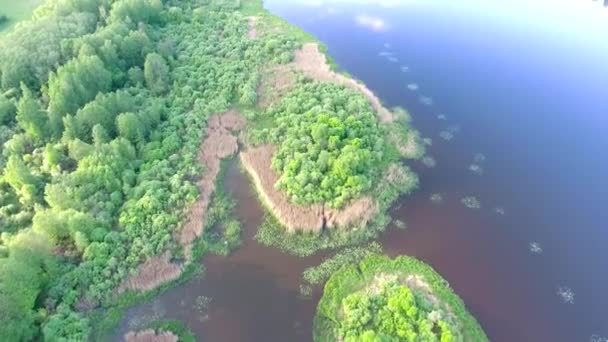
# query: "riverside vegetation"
{"type": "Point", "coordinates": [103, 107]}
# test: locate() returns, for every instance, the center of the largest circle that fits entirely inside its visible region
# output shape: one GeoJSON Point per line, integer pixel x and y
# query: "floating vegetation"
{"type": "Point", "coordinates": [479, 157]}
{"type": "Point", "coordinates": [385, 53]}
{"type": "Point", "coordinates": [598, 338]}
{"type": "Point", "coordinates": [392, 59]}
{"type": "Point", "coordinates": [426, 100]}
{"type": "Point", "coordinates": [427, 141]}
{"type": "Point", "coordinates": [412, 86]}
{"type": "Point", "coordinates": [436, 198]}
{"type": "Point", "coordinates": [471, 202]}
{"type": "Point", "coordinates": [566, 294]}
{"type": "Point", "coordinates": [201, 305]}
{"type": "Point", "coordinates": [535, 248]}
{"type": "Point", "coordinates": [319, 274]}
{"type": "Point", "coordinates": [429, 161]}
{"type": "Point", "coordinates": [477, 169]}
{"type": "Point", "coordinates": [446, 135]}
{"type": "Point", "coordinates": [453, 128]}
{"type": "Point", "coordinates": [441, 117]}
{"type": "Point", "coordinates": [405, 68]}
{"type": "Point", "coordinates": [500, 210]}
{"type": "Point", "coordinates": [400, 224]}
{"type": "Point", "coordinates": [305, 290]}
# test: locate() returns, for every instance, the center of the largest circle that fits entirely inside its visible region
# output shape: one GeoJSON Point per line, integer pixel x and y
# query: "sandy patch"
{"type": "Point", "coordinates": [257, 161]}
{"type": "Point", "coordinates": [218, 144]}
{"type": "Point", "coordinates": [252, 33]}
{"type": "Point", "coordinates": [312, 63]}
{"type": "Point", "coordinates": [150, 335]}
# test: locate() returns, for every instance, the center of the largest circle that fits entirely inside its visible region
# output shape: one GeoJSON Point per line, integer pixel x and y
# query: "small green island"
{"type": "Point", "coordinates": [117, 118]}
{"type": "Point", "coordinates": [401, 299]}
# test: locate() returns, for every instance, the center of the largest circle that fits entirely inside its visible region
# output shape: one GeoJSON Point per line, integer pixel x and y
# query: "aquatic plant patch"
{"type": "Point", "coordinates": [426, 100]}
{"type": "Point", "coordinates": [319, 274]}
{"type": "Point", "coordinates": [436, 198]}
{"type": "Point", "coordinates": [400, 224]}
{"type": "Point", "coordinates": [446, 135]}
{"type": "Point", "coordinates": [471, 202]}
{"type": "Point", "coordinates": [535, 248]}
{"type": "Point", "coordinates": [429, 161]}
{"type": "Point", "coordinates": [566, 294]}
{"type": "Point", "coordinates": [476, 169]}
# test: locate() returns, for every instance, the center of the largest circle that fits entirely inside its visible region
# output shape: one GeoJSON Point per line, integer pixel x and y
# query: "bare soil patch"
{"type": "Point", "coordinates": [311, 218]}
{"type": "Point", "coordinates": [219, 143]}
{"type": "Point", "coordinates": [150, 335]}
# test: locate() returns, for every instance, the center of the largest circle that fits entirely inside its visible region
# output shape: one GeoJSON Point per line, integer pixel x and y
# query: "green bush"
{"type": "Point", "coordinates": [330, 146]}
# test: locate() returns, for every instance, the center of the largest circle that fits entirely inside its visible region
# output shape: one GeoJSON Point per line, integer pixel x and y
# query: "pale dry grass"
{"type": "Point", "coordinates": [257, 161]}
{"type": "Point", "coordinates": [153, 272]}
{"type": "Point", "coordinates": [313, 64]}
{"type": "Point", "coordinates": [218, 144]}
{"type": "Point", "coordinates": [150, 335]}
{"type": "Point", "coordinates": [314, 217]}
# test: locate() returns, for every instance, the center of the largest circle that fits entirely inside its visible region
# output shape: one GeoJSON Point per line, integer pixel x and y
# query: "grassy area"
{"type": "Point", "coordinates": [16, 11]}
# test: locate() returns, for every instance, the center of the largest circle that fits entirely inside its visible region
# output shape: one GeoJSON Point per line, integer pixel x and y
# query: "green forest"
{"type": "Point", "coordinates": [103, 104]}
{"type": "Point", "coordinates": [380, 299]}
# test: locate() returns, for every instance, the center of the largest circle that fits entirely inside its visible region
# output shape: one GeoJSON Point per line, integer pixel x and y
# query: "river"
{"type": "Point", "coordinates": [520, 83]}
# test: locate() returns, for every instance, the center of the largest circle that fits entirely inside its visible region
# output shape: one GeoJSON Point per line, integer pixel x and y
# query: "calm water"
{"type": "Point", "coordinates": [522, 82]}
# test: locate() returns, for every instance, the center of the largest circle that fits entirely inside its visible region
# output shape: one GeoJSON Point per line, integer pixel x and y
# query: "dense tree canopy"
{"type": "Point", "coordinates": [330, 145]}
{"type": "Point", "coordinates": [102, 108]}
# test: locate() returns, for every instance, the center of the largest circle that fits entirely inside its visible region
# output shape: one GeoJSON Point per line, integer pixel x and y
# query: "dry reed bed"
{"type": "Point", "coordinates": [219, 143]}
{"type": "Point", "coordinates": [311, 218]}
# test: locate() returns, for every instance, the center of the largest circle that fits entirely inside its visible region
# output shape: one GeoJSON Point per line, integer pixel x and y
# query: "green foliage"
{"type": "Point", "coordinates": [75, 83]}
{"type": "Point", "coordinates": [31, 50]}
{"type": "Point", "coordinates": [272, 234]}
{"type": "Point", "coordinates": [392, 312]}
{"type": "Point", "coordinates": [177, 327]}
{"type": "Point", "coordinates": [222, 233]}
{"type": "Point", "coordinates": [319, 274]}
{"type": "Point", "coordinates": [66, 325]}
{"type": "Point", "coordinates": [373, 300]}
{"type": "Point", "coordinates": [330, 146]}
{"type": "Point", "coordinates": [156, 73]}
{"type": "Point", "coordinates": [100, 148]}
{"type": "Point", "coordinates": [23, 275]}
{"type": "Point", "coordinates": [136, 11]}
{"type": "Point", "coordinates": [30, 115]}
{"type": "Point", "coordinates": [7, 110]}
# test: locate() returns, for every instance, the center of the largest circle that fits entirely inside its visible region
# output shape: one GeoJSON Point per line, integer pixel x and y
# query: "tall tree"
{"type": "Point", "coordinates": [30, 116]}
{"type": "Point", "coordinates": [156, 73]}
